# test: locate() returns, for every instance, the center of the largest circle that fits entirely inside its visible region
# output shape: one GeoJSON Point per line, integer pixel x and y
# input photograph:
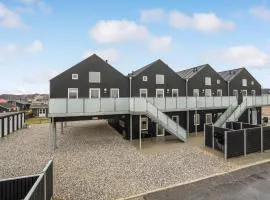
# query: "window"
{"type": "Point", "coordinates": [218, 81]}
{"type": "Point", "coordinates": [253, 92]}
{"type": "Point", "coordinates": [145, 78]}
{"type": "Point", "coordinates": [175, 118]}
{"type": "Point", "coordinates": [174, 92]}
{"type": "Point", "coordinates": [235, 93]}
{"type": "Point", "coordinates": [244, 92]}
{"type": "Point", "coordinates": [252, 82]}
{"type": "Point", "coordinates": [94, 93]}
{"type": "Point", "coordinates": [159, 79]}
{"type": "Point", "coordinates": [72, 93]}
{"type": "Point", "coordinates": [207, 80]}
{"type": "Point", "coordinates": [144, 123]}
{"type": "Point", "coordinates": [197, 119]}
{"type": "Point", "coordinates": [143, 93]}
{"type": "Point", "coordinates": [219, 92]}
{"type": "Point", "coordinates": [208, 92]}
{"type": "Point", "coordinates": [94, 77]}
{"type": "Point", "coordinates": [75, 76]}
{"type": "Point", "coordinates": [244, 82]}
{"type": "Point", "coordinates": [208, 118]}
{"type": "Point", "coordinates": [114, 92]}
{"type": "Point", "coordinates": [196, 92]}
{"type": "Point", "coordinates": [160, 93]}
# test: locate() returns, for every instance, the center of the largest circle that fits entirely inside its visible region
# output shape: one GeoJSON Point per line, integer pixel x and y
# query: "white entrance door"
{"type": "Point", "coordinates": [42, 112]}
{"type": "Point", "coordinates": [254, 116]}
{"type": "Point", "coordinates": [94, 93]}
{"type": "Point", "coordinates": [160, 93]}
{"type": "Point", "coordinates": [114, 92]}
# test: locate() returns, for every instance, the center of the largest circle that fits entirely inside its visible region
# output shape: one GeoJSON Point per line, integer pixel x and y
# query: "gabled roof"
{"type": "Point", "coordinates": [38, 105]}
{"type": "Point", "coordinates": [189, 73]}
{"type": "Point", "coordinates": [140, 70]}
{"type": "Point", "coordinates": [6, 105]}
{"type": "Point", "coordinates": [230, 74]}
{"type": "Point", "coordinates": [92, 57]}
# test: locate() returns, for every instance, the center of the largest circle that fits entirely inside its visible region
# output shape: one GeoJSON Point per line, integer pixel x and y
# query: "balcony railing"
{"type": "Point", "coordinates": [86, 106]}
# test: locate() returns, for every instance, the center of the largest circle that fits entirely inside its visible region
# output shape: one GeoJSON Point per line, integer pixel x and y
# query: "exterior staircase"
{"type": "Point", "coordinates": [143, 107]}
{"type": "Point", "coordinates": [232, 113]}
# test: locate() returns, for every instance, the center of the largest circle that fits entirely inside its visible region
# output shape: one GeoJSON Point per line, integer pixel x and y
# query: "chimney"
{"type": "Point", "coordinates": [106, 61]}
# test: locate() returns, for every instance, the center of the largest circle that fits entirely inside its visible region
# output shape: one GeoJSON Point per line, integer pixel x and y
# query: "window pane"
{"type": "Point", "coordinates": [196, 92]}
{"type": "Point", "coordinates": [219, 92]}
{"type": "Point", "coordinates": [159, 79]}
{"type": "Point", "coordinates": [143, 93]}
{"type": "Point", "coordinates": [94, 93]}
{"type": "Point", "coordinates": [94, 77]}
{"type": "Point", "coordinates": [144, 123]}
{"type": "Point", "coordinates": [235, 92]}
{"type": "Point", "coordinates": [72, 93]}
{"type": "Point", "coordinates": [114, 93]}
{"type": "Point", "coordinates": [207, 80]}
{"type": "Point", "coordinates": [208, 92]}
{"type": "Point", "coordinates": [244, 82]}
{"type": "Point", "coordinates": [159, 93]}
{"type": "Point", "coordinates": [174, 92]}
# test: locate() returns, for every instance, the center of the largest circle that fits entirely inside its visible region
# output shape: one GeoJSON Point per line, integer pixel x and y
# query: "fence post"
{"type": "Point", "coordinates": [261, 138]}
{"type": "Point", "coordinates": [241, 125]}
{"type": "Point", "coordinates": [213, 137]}
{"type": "Point", "coordinates": [245, 142]}
{"type": "Point", "coordinates": [226, 145]}
{"type": "Point", "coordinates": [45, 184]}
{"type": "Point", "coordinates": [204, 133]}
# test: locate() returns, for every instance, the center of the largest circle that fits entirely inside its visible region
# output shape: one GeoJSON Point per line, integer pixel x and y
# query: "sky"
{"type": "Point", "coordinates": [41, 38]}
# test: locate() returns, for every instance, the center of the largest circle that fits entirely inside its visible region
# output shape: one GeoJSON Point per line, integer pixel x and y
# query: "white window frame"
{"type": "Point", "coordinates": [143, 89]}
{"type": "Point", "coordinates": [177, 92]}
{"type": "Point", "coordinates": [75, 76]}
{"type": "Point", "coordinates": [117, 92]}
{"type": "Point", "coordinates": [93, 74]}
{"type": "Point", "coordinates": [197, 91]}
{"type": "Point", "coordinates": [206, 115]}
{"type": "Point", "coordinates": [244, 82]}
{"type": "Point", "coordinates": [219, 90]}
{"type": "Point", "coordinates": [159, 89]}
{"type": "Point", "coordinates": [77, 91]}
{"type": "Point", "coordinates": [176, 117]}
{"type": "Point", "coordinates": [207, 80]}
{"type": "Point", "coordinates": [90, 92]}
{"type": "Point", "coordinates": [146, 120]}
{"type": "Point", "coordinates": [236, 93]}
{"type": "Point", "coordinates": [218, 81]}
{"type": "Point", "coordinates": [245, 92]}
{"type": "Point", "coordinates": [145, 78]}
{"type": "Point", "coordinates": [254, 92]}
{"type": "Point", "coordinates": [161, 78]}
{"type": "Point", "coordinates": [209, 93]}
{"type": "Point", "coordinates": [194, 118]}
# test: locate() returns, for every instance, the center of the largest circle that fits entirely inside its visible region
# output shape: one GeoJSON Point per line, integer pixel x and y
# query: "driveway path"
{"type": "Point", "coordinates": [246, 184]}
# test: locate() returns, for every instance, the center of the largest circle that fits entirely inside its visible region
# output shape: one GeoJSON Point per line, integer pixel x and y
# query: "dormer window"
{"type": "Point", "coordinates": [145, 78]}
{"type": "Point", "coordinates": [75, 76]}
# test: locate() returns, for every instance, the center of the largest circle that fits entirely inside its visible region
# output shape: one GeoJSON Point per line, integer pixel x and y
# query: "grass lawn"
{"type": "Point", "coordinates": [37, 120]}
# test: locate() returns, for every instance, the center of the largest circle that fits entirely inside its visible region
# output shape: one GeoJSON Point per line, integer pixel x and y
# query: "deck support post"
{"type": "Point", "coordinates": [188, 122]}
{"type": "Point", "coordinates": [226, 145]}
{"type": "Point", "coordinates": [140, 132]}
{"type": "Point", "coordinates": [196, 123]}
{"type": "Point", "coordinates": [261, 138]}
{"type": "Point", "coordinates": [130, 128]}
{"type": "Point", "coordinates": [62, 127]}
{"type": "Point", "coordinates": [54, 143]}
{"type": "Point", "coordinates": [245, 142]}
{"type": "Point", "coordinates": [213, 137]}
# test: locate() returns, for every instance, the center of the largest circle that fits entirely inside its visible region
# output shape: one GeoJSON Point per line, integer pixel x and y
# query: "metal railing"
{"type": "Point", "coordinates": [223, 118]}
{"type": "Point", "coordinates": [85, 106]}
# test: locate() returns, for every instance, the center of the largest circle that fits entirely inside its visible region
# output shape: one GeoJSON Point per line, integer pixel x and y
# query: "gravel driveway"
{"type": "Point", "coordinates": [94, 162]}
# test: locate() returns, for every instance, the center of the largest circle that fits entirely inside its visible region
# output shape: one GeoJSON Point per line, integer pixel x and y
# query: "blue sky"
{"type": "Point", "coordinates": [41, 38]}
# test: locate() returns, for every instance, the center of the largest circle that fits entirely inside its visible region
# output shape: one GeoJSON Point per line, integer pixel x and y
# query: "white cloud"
{"type": "Point", "coordinates": [246, 55]}
{"type": "Point", "coordinates": [152, 15]}
{"type": "Point", "coordinates": [107, 54]}
{"type": "Point", "coordinates": [260, 12]}
{"type": "Point", "coordinates": [160, 43]}
{"type": "Point", "coordinates": [9, 18]}
{"type": "Point", "coordinates": [113, 31]}
{"type": "Point", "coordinates": [9, 51]}
{"type": "Point", "coordinates": [204, 22]}
{"type": "Point", "coordinates": [40, 4]}
{"type": "Point", "coordinates": [36, 46]}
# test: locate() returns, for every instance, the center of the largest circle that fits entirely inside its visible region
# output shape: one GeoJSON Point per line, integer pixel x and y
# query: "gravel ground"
{"type": "Point", "coordinates": [94, 162]}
